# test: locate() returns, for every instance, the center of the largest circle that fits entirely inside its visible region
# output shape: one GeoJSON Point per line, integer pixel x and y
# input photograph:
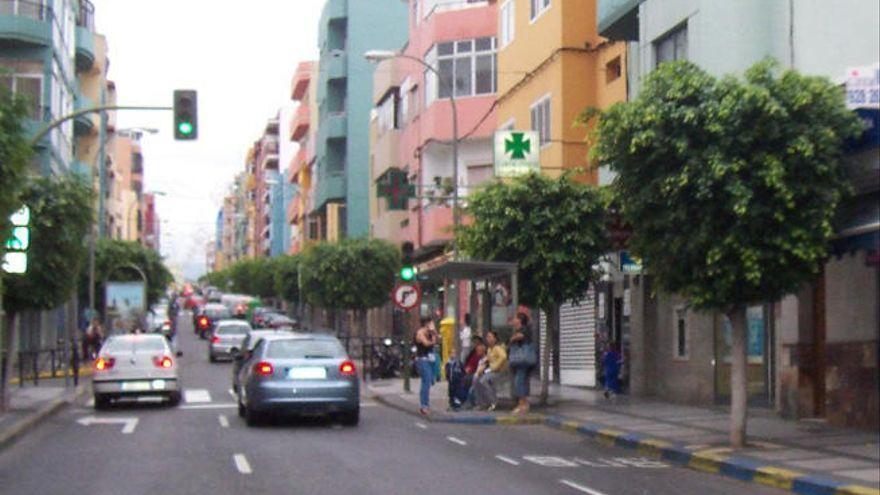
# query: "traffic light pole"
{"type": "Point", "coordinates": [85, 111]}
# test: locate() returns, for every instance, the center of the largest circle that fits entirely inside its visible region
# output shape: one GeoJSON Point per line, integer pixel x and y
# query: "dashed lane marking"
{"type": "Point", "coordinates": [507, 460]}
{"type": "Point", "coordinates": [422, 425]}
{"type": "Point", "coordinates": [457, 440]}
{"type": "Point", "coordinates": [224, 421]}
{"type": "Point", "coordinates": [242, 464]}
{"type": "Point", "coordinates": [580, 488]}
{"type": "Point", "coordinates": [220, 405]}
{"type": "Point", "coordinates": [198, 395]}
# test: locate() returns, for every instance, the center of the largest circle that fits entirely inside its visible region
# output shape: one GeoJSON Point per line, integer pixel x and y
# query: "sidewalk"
{"type": "Point", "coordinates": [804, 457]}
{"type": "Point", "coordinates": [30, 405]}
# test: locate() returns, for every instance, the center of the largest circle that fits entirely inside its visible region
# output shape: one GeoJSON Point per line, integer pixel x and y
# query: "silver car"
{"type": "Point", "coordinates": [135, 365]}
{"type": "Point", "coordinates": [227, 334]}
{"type": "Point", "coordinates": [305, 374]}
{"type": "Point", "coordinates": [242, 354]}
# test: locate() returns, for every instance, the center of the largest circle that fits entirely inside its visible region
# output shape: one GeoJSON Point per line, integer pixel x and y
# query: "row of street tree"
{"type": "Point", "coordinates": [61, 220]}
{"type": "Point", "coordinates": [729, 185]}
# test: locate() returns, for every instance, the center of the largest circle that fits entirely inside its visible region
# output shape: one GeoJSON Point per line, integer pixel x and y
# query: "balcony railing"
{"type": "Point", "coordinates": [86, 16]}
{"type": "Point", "coordinates": [31, 9]}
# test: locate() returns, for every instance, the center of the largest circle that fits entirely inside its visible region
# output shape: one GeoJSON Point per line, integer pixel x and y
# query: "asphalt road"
{"type": "Point", "coordinates": [203, 447]}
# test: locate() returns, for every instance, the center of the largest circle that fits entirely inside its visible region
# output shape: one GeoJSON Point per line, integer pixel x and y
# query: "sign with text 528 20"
{"type": "Point", "coordinates": [517, 153]}
{"type": "Point", "coordinates": [863, 87]}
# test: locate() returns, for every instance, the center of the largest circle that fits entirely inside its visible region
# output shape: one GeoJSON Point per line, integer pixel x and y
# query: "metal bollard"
{"type": "Point", "coordinates": [36, 368]}
{"type": "Point", "coordinates": [52, 355]}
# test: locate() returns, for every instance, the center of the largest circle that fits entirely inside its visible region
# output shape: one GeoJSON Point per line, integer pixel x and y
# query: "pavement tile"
{"type": "Point", "coordinates": [871, 474]}
{"type": "Point", "coordinates": [870, 450]}
{"type": "Point", "coordinates": [786, 454]}
{"type": "Point", "coordinates": [831, 464]}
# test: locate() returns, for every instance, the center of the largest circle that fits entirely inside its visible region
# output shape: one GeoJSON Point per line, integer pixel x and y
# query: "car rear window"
{"type": "Point", "coordinates": [218, 313]}
{"type": "Point", "coordinates": [147, 344]}
{"type": "Point", "coordinates": [304, 349]}
{"type": "Point", "coordinates": [232, 329]}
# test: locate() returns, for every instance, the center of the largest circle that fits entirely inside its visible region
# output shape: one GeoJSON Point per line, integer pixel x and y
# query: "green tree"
{"type": "Point", "coordinates": [730, 186]}
{"type": "Point", "coordinates": [353, 274]}
{"type": "Point", "coordinates": [15, 153]}
{"type": "Point", "coordinates": [554, 229]}
{"type": "Point", "coordinates": [112, 257]}
{"type": "Point", "coordinates": [286, 278]}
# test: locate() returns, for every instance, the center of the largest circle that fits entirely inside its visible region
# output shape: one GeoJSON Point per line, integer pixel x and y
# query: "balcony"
{"type": "Point", "coordinates": [269, 154]}
{"type": "Point", "coordinates": [301, 79]}
{"type": "Point", "coordinates": [298, 162]}
{"type": "Point", "coordinates": [334, 9]}
{"type": "Point", "coordinates": [333, 64]}
{"type": "Point", "coordinates": [26, 22]}
{"type": "Point", "coordinates": [385, 152]}
{"type": "Point", "coordinates": [436, 225]}
{"type": "Point", "coordinates": [618, 20]}
{"type": "Point", "coordinates": [84, 124]}
{"type": "Point", "coordinates": [330, 187]}
{"type": "Point", "coordinates": [333, 125]}
{"type": "Point", "coordinates": [85, 36]}
{"type": "Point", "coordinates": [299, 124]}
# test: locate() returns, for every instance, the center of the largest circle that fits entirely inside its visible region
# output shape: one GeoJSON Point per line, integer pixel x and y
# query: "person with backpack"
{"type": "Point", "coordinates": [523, 357]}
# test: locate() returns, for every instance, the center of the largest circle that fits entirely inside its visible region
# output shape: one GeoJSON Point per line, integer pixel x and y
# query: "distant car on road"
{"type": "Point", "coordinates": [280, 321]}
{"type": "Point", "coordinates": [227, 334]}
{"type": "Point", "coordinates": [132, 366]}
{"type": "Point", "coordinates": [304, 374]}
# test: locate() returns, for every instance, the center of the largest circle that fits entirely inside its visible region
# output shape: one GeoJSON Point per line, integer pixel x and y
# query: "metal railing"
{"type": "Point", "coordinates": [34, 365]}
{"type": "Point", "coordinates": [35, 10]}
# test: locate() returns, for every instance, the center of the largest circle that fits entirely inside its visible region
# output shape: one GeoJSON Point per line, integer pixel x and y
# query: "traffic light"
{"type": "Point", "coordinates": [407, 270]}
{"type": "Point", "coordinates": [16, 257]}
{"type": "Point", "coordinates": [186, 122]}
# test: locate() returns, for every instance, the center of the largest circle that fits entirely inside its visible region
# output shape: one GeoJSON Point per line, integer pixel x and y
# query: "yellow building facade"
{"type": "Point", "coordinates": [552, 65]}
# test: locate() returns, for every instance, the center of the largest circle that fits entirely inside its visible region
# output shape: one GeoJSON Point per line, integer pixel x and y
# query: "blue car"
{"type": "Point", "coordinates": [298, 374]}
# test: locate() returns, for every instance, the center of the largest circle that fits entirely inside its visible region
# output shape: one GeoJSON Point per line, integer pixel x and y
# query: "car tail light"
{"type": "Point", "coordinates": [347, 368]}
{"type": "Point", "coordinates": [215, 340]}
{"type": "Point", "coordinates": [103, 364]}
{"type": "Point", "coordinates": [264, 369]}
{"type": "Point", "coordinates": [163, 362]}
{"type": "Point", "coordinates": [203, 322]}
{"type": "Point", "coordinates": [168, 322]}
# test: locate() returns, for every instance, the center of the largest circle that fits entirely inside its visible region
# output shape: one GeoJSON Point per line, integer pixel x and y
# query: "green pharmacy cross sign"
{"type": "Point", "coordinates": [395, 187]}
{"type": "Point", "coordinates": [516, 153]}
{"type": "Point", "coordinates": [15, 256]}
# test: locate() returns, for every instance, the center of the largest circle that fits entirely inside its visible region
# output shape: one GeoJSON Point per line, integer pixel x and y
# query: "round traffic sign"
{"type": "Point", "coordinates": [406, 296]}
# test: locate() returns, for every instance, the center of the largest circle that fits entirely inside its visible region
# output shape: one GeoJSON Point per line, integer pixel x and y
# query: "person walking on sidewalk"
{"type": "Point", "coordinates": [425, 340]}
{"type": "Point", "coordinates": [94, 338]}
{"type": "Point", "coordinates": [492, 372]}
{"type": "Point", "coordinates": [523, 357]}
{"type": "Point", "coordinates": [611, 362]}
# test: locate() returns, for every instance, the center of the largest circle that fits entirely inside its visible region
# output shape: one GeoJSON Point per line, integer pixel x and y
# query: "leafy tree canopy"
{"type": "Point", "coordinates": [355, 274]}
{"type": "Point", "coordinates": [553, 228]}
{"type": "Point", "coordinates": [111, 260]}
{"type": "Point", "coordinates": [61, 213]}
{"type": "Point", "coordinates": [286, 278]}
{"type": "Point", "coordinates": [730, 184]}
{"type": "Point", "coordinates": [15, 152]}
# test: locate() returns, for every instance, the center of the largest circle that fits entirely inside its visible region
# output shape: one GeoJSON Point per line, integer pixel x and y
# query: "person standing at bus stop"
{"type": "Point", "coordinates": [426, 341]}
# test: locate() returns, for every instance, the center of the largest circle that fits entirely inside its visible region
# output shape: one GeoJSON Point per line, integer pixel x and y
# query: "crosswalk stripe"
{"type": "Point", "coordinates": [196, 395]}
{"type": "Point", "coordinates": [242, 464]}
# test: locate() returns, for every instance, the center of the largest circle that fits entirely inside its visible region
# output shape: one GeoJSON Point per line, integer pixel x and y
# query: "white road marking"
{"type": "Point", "coordinates": [507, 460]}
{"type": "Point", "coordinates": [549, 461]}
{"type": "Point", "coordinates": [457, 441]}
{"type": "Point", "coordinates": [196, 395]}
{"type": "Point", "coordinates": [232, 393]}
{"type": "Point", "coordinates": [129, 424]}
{"type": "Point", "coordinates": [242, 464]}
{"type": "Point", "coordinates": [422, 425]}
{"type": "Point", "coordinates": [221, 405]}
{"type": "Point", "coordinates": [580, 488]}
{"type": "Point", "coordinates": [369, 404]}
{"type": "Point", "coordinates": [224, 421]}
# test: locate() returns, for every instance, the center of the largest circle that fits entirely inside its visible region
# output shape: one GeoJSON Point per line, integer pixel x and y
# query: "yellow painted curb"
{"type": "Point", "coordinates": [570, 425]}
{"type": "Point", "coordinates": [609, 436]}
{"type": "Point", "coordinates": [776, 477]}
{"type": "Point", "coordinates": [652, 446]}
{"type": "Point", "coordinates": [857, 490]}
{"type": "Point", "coordinates": [707, 461]}
{"type": "Point", "coordinates": [47, 375]}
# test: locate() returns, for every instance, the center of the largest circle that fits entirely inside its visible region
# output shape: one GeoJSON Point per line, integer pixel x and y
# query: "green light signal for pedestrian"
{"type": "Point", "coordinates": [407, 273]}
{"type": "Point", "coordinates": [185, 128]}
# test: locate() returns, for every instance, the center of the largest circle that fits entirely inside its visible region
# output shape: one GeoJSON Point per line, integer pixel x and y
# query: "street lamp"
{"type": "Point", "coordinates": [379, 56]}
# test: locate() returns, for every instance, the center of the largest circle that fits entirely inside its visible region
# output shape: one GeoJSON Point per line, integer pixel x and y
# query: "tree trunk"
{"type": "Point", "coordinates": [547, 351]}
{"type": "Point", "coordinates": [738, 379]}
{"type": "Point", "coordinates": [362, 322]}
{"type": "Point", "coordinates": [10, 345]}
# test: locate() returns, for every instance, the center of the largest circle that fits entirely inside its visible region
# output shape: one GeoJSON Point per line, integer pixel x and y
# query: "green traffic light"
{"type": "Point", "coordinates": [185, 128]}
{"type": "Point", "coordinates": [407, 273]}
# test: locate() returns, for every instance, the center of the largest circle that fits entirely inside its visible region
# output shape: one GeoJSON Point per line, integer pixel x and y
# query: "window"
{"type": "Point", "coordinates": [681, 334]}
{"type": "Point", "coordinates": [538, 8]}
{"type": "Point", "coordinates": [304, 349]}
{"type": "Point", "coordinates": [672, 46]}
{"type": "Point", "coordinates": [508, 22]}
{"type": "Point", "coordinates": [27, 86]}
{"type": "Point", "coordinates": [468, 66]}
{"type": "Point", "coordinates": [541, 119]}
{"type": "Point", "coordinates": [32, 9]}
{"type": "Point", "coordinates": [387, 113]}
{"type": "Point", "coordinates": [612, 70]}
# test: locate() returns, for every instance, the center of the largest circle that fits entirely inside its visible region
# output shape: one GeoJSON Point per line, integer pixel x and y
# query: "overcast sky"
{"type": "Point", "coordinates": [240, 56]}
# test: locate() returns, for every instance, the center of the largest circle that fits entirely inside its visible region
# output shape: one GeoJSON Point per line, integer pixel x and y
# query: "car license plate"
{"type": "Point", "coordinates": [135, 386]}
{"type": "Point", "coordinates": [307, 373]}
